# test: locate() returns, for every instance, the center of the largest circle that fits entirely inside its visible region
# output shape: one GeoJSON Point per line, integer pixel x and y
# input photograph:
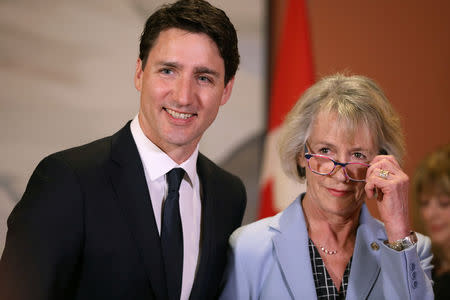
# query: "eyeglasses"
{"type": "Point", "coordinates": [324, 165]}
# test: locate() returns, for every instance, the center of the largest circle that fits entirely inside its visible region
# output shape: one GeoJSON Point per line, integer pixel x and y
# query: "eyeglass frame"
{"type": "Point", "coordinates": [336, 163]}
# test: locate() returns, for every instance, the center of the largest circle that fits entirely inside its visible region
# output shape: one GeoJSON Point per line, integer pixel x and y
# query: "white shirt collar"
{"type": "Point", "coordinates": [159, 161]}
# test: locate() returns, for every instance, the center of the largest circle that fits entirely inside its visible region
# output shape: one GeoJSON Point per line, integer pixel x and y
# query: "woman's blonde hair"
{"type": "Point", "coordinates": [355, 100]}
{"type": "Point", "coordinates": [433, 173]}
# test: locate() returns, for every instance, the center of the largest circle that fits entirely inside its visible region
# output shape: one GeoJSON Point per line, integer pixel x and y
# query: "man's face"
{"type": "Point", "coordinates": [182, 87]}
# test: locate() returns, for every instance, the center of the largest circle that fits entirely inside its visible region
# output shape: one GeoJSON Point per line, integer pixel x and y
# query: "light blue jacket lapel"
{"type": "Point", "coordinates": [292, 253]}
{"type": "Point", "coordinates": [365, 268]}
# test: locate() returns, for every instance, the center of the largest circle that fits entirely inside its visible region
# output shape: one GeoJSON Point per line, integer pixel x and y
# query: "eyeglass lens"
{"type": "Point", "coordinates": [325, 166]}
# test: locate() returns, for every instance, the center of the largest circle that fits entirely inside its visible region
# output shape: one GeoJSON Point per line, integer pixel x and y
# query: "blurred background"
{"type": "Point", "coordinates": [66, 76]}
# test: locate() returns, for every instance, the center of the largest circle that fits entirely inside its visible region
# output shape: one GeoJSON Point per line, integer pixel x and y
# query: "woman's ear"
{"type": "Point", "coordinates": [301, 160]}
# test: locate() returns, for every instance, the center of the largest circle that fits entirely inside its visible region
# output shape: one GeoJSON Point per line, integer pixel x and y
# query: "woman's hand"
{"type": "Point", "coordinates": [392, 195]}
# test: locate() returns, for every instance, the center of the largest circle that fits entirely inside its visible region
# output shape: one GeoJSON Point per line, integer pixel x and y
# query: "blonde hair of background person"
{"type": "Point", "coordinates": [431, 190]}
{"type": "Point", "coordinates": [356, 98]}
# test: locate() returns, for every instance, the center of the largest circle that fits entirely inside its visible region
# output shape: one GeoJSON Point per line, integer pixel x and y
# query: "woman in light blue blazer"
{"type": "Point", "coordinates": [344, 138]}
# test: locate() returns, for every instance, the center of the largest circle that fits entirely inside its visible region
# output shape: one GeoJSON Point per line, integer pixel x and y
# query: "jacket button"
{"type": "Point", "coordinates": [414, 284]}
{"type": "Point", "coordinates": [374, 246]}
{"type": "Point", "coordinates": [413, 275]}
{"type": "Point", "coordinates": [412, 266]}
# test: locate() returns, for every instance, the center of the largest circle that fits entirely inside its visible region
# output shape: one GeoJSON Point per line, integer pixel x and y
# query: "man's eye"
{"type": "Point", "coordinates": [166, 71]}
{"type": "Point", "coordinates": [204, 79]}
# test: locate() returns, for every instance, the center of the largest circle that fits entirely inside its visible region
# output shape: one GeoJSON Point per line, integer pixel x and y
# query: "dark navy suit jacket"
{"type": "Point", "coordinates": [85, 228]}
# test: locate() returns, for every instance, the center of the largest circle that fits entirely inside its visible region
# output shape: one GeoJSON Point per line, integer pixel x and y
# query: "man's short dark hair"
{"type": "Point", "coordinates": [196, 16]}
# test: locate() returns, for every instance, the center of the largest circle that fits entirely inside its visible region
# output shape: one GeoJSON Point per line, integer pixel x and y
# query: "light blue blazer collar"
{"type": "Point", "coordinates": [291, 251]}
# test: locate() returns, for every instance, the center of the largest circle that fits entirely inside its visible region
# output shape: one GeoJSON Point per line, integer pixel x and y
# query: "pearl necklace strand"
{"type": "Point", "coordinates": [326, 251]}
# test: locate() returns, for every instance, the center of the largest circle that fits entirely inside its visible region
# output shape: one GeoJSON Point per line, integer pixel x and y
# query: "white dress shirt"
{"type": "Point", "coordinates": [156, 164]}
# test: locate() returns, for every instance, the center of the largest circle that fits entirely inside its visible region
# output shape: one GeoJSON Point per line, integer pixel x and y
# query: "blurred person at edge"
{"type": "Point", "coordinates": [93, 222]}
{"type": "Point", "coordinates": [344, 137]}
{"type": "Point", "coordinates": [431, 188]}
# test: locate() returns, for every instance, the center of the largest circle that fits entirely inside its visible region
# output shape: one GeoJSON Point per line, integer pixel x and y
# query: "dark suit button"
{"type": "Point", "coordinates": [414, 284]}
{"type": "Point", "coordinates": [413, 275]}
{"type": "Point", "coordinates": [412, 266]}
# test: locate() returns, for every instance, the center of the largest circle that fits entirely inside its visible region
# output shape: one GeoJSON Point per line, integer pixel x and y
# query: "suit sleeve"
{"type": "Point", "coordinates": [407, 273]}
{"type": "Point", "coordinates": [43, 243]}
{"type": "Point", "coordinates": [242, 203]}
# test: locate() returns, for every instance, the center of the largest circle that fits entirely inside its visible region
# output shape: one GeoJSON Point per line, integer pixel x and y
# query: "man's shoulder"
{"type": "Point", "coordinates": [94, 153]}
{"type": "Point", "coordinates": [208, 168]}
{"type": "Point", "coordinates": [226, 187]}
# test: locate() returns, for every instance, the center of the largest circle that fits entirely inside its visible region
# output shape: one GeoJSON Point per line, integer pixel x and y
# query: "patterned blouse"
{"type": "Point", "coordinates": [325, 288]}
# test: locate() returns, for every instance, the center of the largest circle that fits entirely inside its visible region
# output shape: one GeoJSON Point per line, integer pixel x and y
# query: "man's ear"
{"type": "Point", "coordinates": [227, 91]}
{"type": "Point", "coordinates": [138, 75]}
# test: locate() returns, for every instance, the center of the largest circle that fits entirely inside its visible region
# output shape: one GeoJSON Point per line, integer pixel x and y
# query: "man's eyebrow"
{"type": "Point", "coordinates": [168, 64]}
{"type": "Point", "coordinates": [206, 70]}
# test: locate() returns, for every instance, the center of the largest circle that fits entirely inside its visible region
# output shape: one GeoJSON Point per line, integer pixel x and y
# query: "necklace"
{"type": "Point", "coordinates": [326, 251]}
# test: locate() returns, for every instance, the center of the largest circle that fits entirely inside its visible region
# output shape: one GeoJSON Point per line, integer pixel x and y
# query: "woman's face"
{"type": "Point", "coordinates": [435, 211]}
{"type": "Point", "coordinates": [334, 193]}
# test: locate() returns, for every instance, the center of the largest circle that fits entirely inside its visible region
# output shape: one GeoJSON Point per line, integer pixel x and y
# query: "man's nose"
{"type": "Point", "coordinates": [183, 91]}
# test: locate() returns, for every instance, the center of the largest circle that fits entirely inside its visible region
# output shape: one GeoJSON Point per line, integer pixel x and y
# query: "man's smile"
{"type": "Point", "coordinates": [178, 115]}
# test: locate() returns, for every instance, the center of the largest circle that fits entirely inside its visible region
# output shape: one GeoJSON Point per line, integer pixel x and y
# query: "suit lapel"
{"type": "Point", "coordinates": [208, 226]}
{"type": "Point", "coordinates": [128, 181]}
{"type": "Point", "coordinates": [292, 253]}
{"type": "Point", "coordinates": [365, 269]}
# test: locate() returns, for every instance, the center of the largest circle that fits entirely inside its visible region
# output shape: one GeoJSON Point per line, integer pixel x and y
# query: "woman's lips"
{"type": "Point", "coordinates": [436, 227]}
{"type": "Point", "coordinates": [338, 193]}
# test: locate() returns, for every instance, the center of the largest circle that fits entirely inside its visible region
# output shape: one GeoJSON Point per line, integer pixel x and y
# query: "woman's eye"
{"type": "Point", "coordinates": [359, 155]}
{"type": "Point", "coordinates": [423, 203]}
{"type": "Point", "coordinates": [324, 151]}
{"type": "Point", "coordinates": [444, 204]}
{"type": "Point", "coordinates": [444, 201]}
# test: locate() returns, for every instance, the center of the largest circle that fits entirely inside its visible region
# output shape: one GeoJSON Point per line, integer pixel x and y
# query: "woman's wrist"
{"type": "Point", "coordinates": [403, 243]}
{"type": "Point", "coordinates": [397, 232]}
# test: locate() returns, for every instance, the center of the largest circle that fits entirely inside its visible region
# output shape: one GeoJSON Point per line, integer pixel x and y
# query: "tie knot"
{"type": "Point", "coordinates": [174, 178]}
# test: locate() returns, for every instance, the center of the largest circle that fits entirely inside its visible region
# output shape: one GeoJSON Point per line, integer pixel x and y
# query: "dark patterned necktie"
{"type": "Point", "coordinates": [172, 235]}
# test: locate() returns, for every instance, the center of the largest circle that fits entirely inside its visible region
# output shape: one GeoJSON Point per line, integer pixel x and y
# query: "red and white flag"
{"type": "Point", "coordinates": [293, 74]}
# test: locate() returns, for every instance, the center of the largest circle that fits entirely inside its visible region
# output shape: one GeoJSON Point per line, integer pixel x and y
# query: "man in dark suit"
{"type": "Point", "coordinates": [96, 222]}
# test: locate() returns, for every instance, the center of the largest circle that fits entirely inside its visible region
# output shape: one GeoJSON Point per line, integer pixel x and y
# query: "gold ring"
{"type": "Point", "coordinates": [383, 174]}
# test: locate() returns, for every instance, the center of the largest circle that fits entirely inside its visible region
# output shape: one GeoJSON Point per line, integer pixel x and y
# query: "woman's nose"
{"type": "Point", "coordinates": [340, 174]}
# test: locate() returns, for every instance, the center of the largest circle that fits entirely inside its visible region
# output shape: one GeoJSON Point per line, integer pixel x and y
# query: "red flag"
{"type": "Point", "coordinates": [293, 74]}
